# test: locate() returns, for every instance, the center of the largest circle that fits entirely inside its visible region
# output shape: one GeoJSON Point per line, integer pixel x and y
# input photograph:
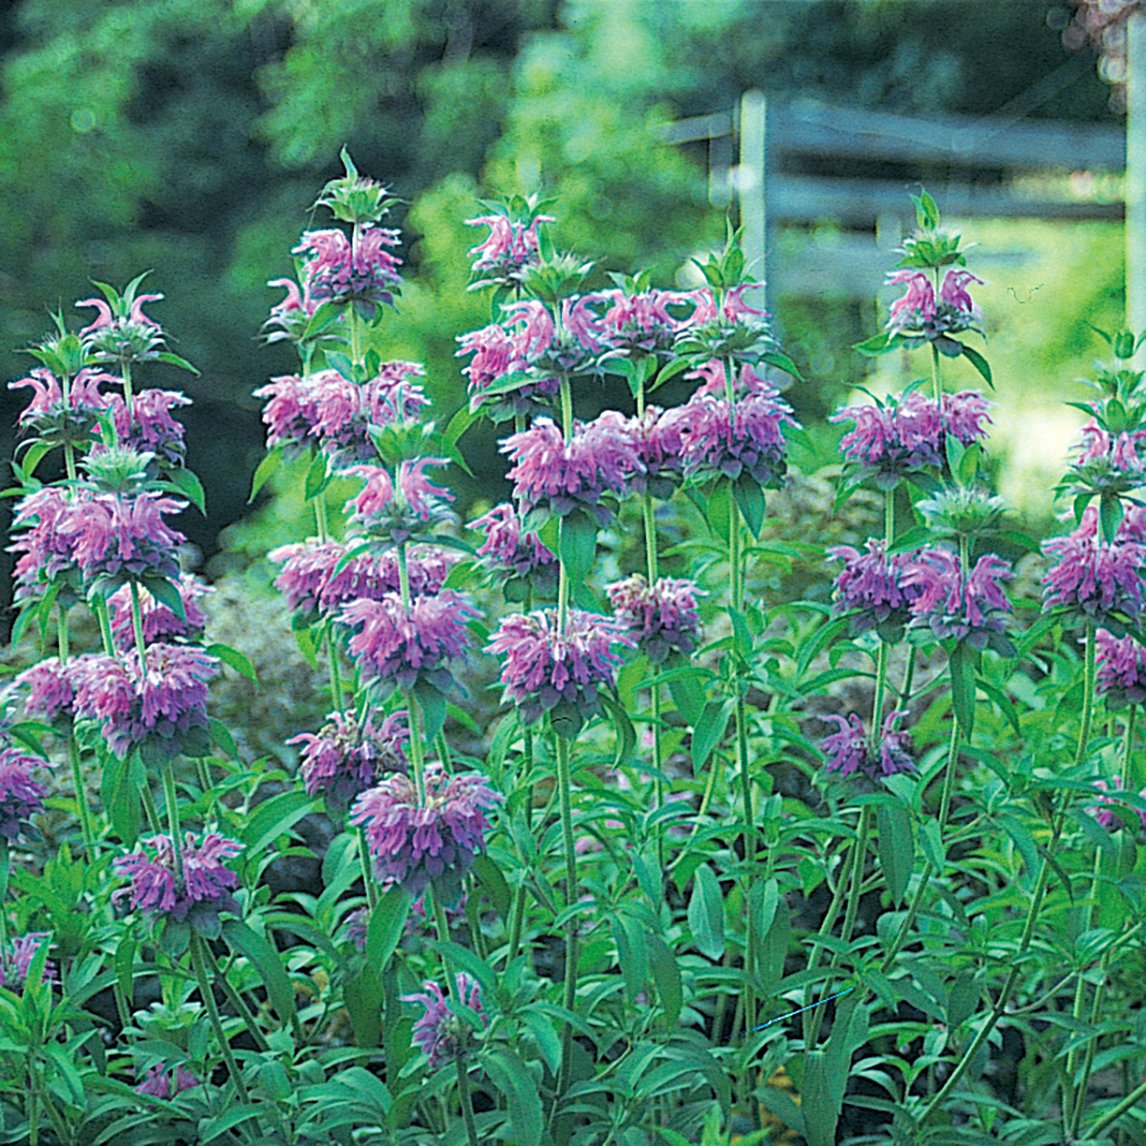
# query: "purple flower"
{"type": "Point", "coordinates": [510, 550]}
{"type": "Point", "coordinates": [122, 537]}
{"type": "Point", "coordinates": [20, 796]}
{"type": "Point", "coordinates": [1093, 579]}
{"type": "Point", "coordinates": [728, 439]}
{"type": "Point", "coordinates": [511, 246]}
{"type": "Point", "coordinates": [661, 618]}
{"type": "Point", "coordinates": [45, 550]}
{"type": "Point", "coordinates": [400, 646]}
{"type": "Point", "coordinates": [547, 670]}
{"type": "Point", "coordinates": [159, 622]}
{"type": "Point", "coordinates": [50, 417]}
{"type": "Point", "coordinates": [160, 710]}
{"type": "Point", "coordinates": [1121, 668]}
{"type": "Point", "coordinates": [288, 319]}
{"type": "Point", "coordinates": [50, 690]}
{"type": "Point", "coordinates": [149, 427]}
{"type": "Point", "coordinates": [402, 506]}
{"type": "Point", "coordinates": [122, 332]}
{"type": "Point", "coordinates": [918, 312]}
{"type": "Point", "coordinates": [1109, 463]}
{"type": "Point", "coordinates": [659, 438]}
{"type": "Point", "coordinates": [950, 604]}
{"type": "Point", "coordinates": [357, 924]}
{"type": "Point", "coordinates": [871, 588]}
{"type": "Point", "coordinates": [439, 1032]}
{"type": "Point", "coordinates": [161, 1082]}
{"type": "Point", "coordinates": [311, 586]}
{"type": "Point", "coordinates": [201, 889]}
{"type": "Point", "coordinates": [1103, 811]}
{"type": "Point", "coordinates": [557, 477]}
{"type": "Point", "coordinates": [16, 960]}
{"type": "Point", "coordinates": [849, 751]}
{"type": "Point", "coordinates": [432, 841]}
{"type": "Point", "coordinates": [344, 758]}
{"type": "Point", "coordinates": [642, 321]}
{"type": "Point", "coordinates": [358, 269]}
{"type": "Point", "coordinates": [900, 437]}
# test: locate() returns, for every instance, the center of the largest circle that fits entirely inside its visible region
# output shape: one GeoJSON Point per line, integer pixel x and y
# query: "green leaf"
{"type": "Point", "coordinates": [820, 1109]}
{"type": "Point", "coordinates": [264, 470]}
{"type": "Point", "coordinates": [926, 211]}
{"type": "Point", "coordinates": [666, 976]}
{"type": "Point", "coordinates": [515, 1081]}
{"type": "Point", "coordinates": [751, 503]}
{"type": "Point", "coordinates": [384, 931]}
{"type": "Point", "coordinates": [490, 877]}
{"type": "Point", "coordinates": [1109, 516]}
{"type": "Point", "coordinates": [308, 646]}
{"type": "Point", "coordinates": [878, 344]}
{"type": "Point", "coordinates": [363, 996]}
{"type": "Point", "coordinates": [188, 483]}
{"type": "Point", "coordinates": [632, 954]}
{"type": "Point", "coordinates": [547, 1039]}
{"type": "Point", "coordinates": [896, 848]}
{"type": "Point", "coordinates": [316, 476]}
{"type": "Point", "coordinates": [237, 660]}
{"type": "Point", "coordinates": [264, 957]}
{"type": "Point", "coordinates": [577, 545]}
{"type": "Point", "coordinates": [980, 363]}
{"type": "Point", "coordinates": [433, 704]}
{"type": "Point", "coordinates": [781, 361]}
{"type": "Point", "coordinates": [688, 695]}
{"type": "Point", "coordinates": [962, 662]}
{"type": "Point", "coordinates": [167, 594]}
{"type": "Point", "coordinates": [763, 899]}
{"type": "Point", "coordinates": [119, 788]}
{"type": "Point", "coordinates": [709, 731]}
{"type": "Point", "coordinates": [34, 455]}
{"type": "Point", "coordinates": [211, 1129]}
{"type": "Point", "coordinates": [271, 819]}
{"type": "Point", "coordinates": [175, 360]}
{"type": "Point", "coordinates": [706, 913]}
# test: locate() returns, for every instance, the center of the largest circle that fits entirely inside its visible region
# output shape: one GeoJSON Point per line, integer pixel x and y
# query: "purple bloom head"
{"type": "Point", "coordinates": [554, 476]}
{"type": "Point", "coordinates": [288, 319]}
{"type": "Point", "coordinates": [509, 550]}
{"type": "Point", "coordinates": [511, 246]}
{"type": "Point", "coordinates": [46, 551]}
{"type": "Point", "coordinates": [741, 437]}
{"type": "Point", "coordinates": [196, 892]}
{"type": "Point", "coordinates": [1103, 811]}
{"type": "Point", "coordinates": [344, 758]}
{"type": "Point", "coordinates": [950, 604]}
{"type": "Point", "coordinates": [659, 438]}
{"type": "Point", "coordinates": [901, 437]}
{"type": "Point", "coordinates": [661, 618]}
{"type": "Point", "coordinates": [159, 622]}
{"type": "Point", "coordinates": [162, 1082]}
{"type": "Point", "coordinates": [415, 843]}
{"type": "Point", "coordinates": [398, 646]}
{"type": "Point", "coordinates": [849, 751]}
{"type": "Point", "coordinates": [342, 269]}
{"type": "Point", "coordinates": [21, 797]}
{"type": "Point", "coordinates": [148, 426]}
{"type": "Point", "coordinates": [641, 322]}
{"type": "Point", "coordinates": [1108, 463]}
{"type": "Point", "coordinates": [439, 1032]}
{"type": "Point", "coordinates": [546, 670]}
{"type": "Point", "coordinates": [871, 589]}
{"type": "Point", "coordinates": [54, 418]}
{"type": "Point", "coordinates": [1095, 580]}
{"type": "Point", "coordinates": [163, 711]}
{"type": "Point", "coordinates": [1121, 669]}
{"type": "Point", "coordinates": [50, 690]}
{"type": "Point", "coordinates": [403, 507]}
{"type": "Point", "coordinates": [16, 961]}
{"type": "Point", "coordinates": [919, 313]}
{"type": "Point", "coordinates": [121, 331]}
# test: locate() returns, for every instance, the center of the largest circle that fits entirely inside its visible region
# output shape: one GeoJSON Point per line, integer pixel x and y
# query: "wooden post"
{"type": "Point", "coordinates": [751, 189]}
{"type": "Point", "coordinates": [1136, 170]}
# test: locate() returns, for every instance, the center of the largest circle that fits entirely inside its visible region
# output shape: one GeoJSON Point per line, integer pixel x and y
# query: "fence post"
{"type": "Point", "coordinates": [1136, 170]}
{"type": "Point", "coordinates": [751, 189]}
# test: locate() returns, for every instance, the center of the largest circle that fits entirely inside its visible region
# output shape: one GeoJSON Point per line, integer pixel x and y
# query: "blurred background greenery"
{"type": "Point", "coordinates": [190, 137]}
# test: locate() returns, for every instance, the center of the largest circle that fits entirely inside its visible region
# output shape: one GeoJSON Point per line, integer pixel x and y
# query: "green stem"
{"type": "Point", "coordinates": [150, 812]}
{"type": "Point", "coordinates": [137, 626]}
{"type": "Point", "coordinates": [1128, 1103]}
{"type": "Point", "coordinates": [367, 874]}
{"type": "Point", "coordinates": [219, 976]}
{"type": "Point", "coordinates": [569, 996]}
{"type": "Point", "coordinates": [171, 799]}
{"type": "Point", "coordinates": [320, 516]}
{"type": "Point", "coordinates": [208, 995]}
{"type": "Point", "coordinates": [99, 607]}
{"type": "Point", "coordinates": [5, 873]}
{"type": "Point", "coordinates": [464, 1098]}
{"type": "Point", "coordinates": [128, 399]}
{"type": "Point", "coordinates": [1087, 696]}
{"type": "Point", "coordinates": [936, 382]}
{"type": "Point", "coordinates": [87, 827]}
{"type": "Point", "coordinates": [336, 695]}
{"type": "Point", "coordinates": [949, 772]}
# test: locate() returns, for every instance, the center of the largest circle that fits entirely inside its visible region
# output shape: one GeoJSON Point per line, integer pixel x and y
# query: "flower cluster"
{"type": "Point", "coordinates": [660, 618]}
{"type": "Point", "coordinates": [50, 691]}
{"type": "Point", "coordinates": [439, 1032]}
{"type": "Point", "coordinates": [557, 477]}
{"type": "Point", "coordinates": [401, 506]}
{"type": "Point", "coordinates": [55, 418]}
{"type": "Point", "coordinates": [849, 751]}
{"type": "Point", "coordinates": [901, 437]}
{"type": "Point", "coordinates": [159, 622]}
{"type": "Point", "coordinates": [346, 757]}
{"type": "Point", "coordinates": [16, 960]}
{"type": "Point", "coordinates": [147, 425]}
{"type": "Point", "coordinates": [121, 331]}
{"type": "Point", "coordinates": [642, 322]}
{"type": "Point", "coordinates": [872, 589]}
{"type": "Point", "coordinates": [550, 670]}
{"type": "Point", "coordinates": [511, 550]}
{"type": "Point", "coordinates": [1108, 463]}
{"type": "Point", "coordinates": [1095, 580]}
{"type": "Point", "coordinates": [161, 709]}
{"type": "Point", "coordinates": [161, 1082]}
{"type": "Point", "coordinates": [314, 585]}
{"type": "Point", "coordinates": [956, 605]}
{"type": "Point", "coordinates": [399, 646]}
{"type": "Point", "coordinates": [196, 886]}
{"type": "Point", "coordinates": [1103, 811]}
{"type": "Point", "coordinates": [20, 795]}
{"type": "Point", "coordinates": [417, 842]}
{"type": "Point", "coordinates": [920, 312]}
{"type": "Point", "coordinates": [357, 269]}
{"type": "Point", "coordinates": [1121, 669]}
{"type": "Point", "coordinates": [511, 246]}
